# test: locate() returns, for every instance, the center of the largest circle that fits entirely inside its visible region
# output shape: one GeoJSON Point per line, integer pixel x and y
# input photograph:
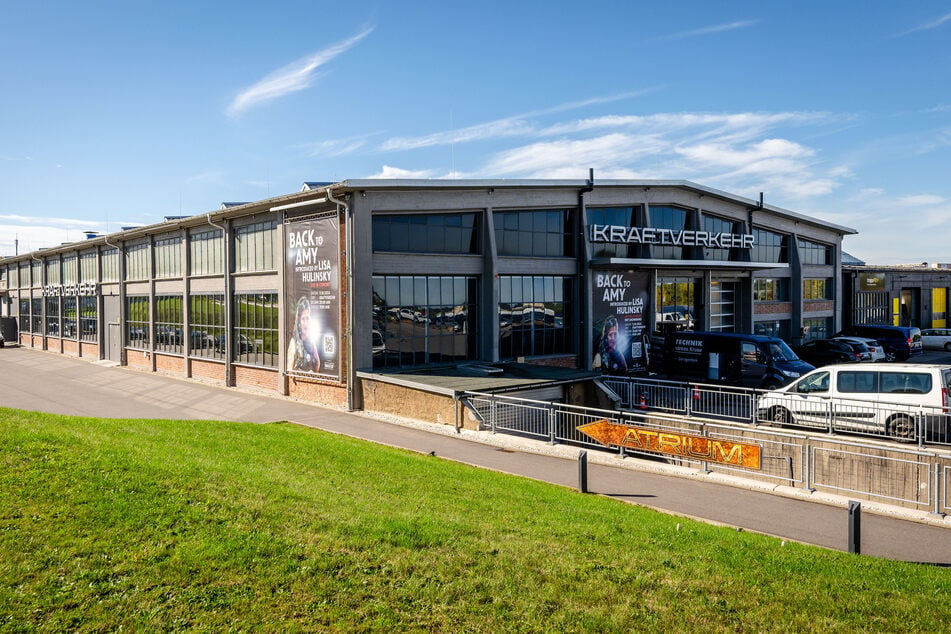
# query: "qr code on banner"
{"type": "Point", "coordinates": [330, 344]}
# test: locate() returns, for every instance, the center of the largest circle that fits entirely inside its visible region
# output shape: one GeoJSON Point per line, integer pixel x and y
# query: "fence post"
{"type": "Point", "coordinates": [807, 477]}
{"type": "Point", "coordinates": [855, 527]}
{"type": "Point", "coordinates": [831, 418]}
{"type": "Point", "coordinates": [551, 425]}
{"type": "Point", "coordinates": [920, 426]}
{"type": "Point", "coordinates": [494, 412]}
{"type": "Point", "coordinates": [583, 471]}
{"type": "Point", "coordinates": [937, 489]}
{"type": "Point", "coordinates": [688, 404]}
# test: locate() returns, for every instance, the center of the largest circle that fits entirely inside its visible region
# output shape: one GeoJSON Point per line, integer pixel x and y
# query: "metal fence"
{"type": "Point", "coordinates": [906, 423]}
{"type": "Point", "coordinates": [890, 474]}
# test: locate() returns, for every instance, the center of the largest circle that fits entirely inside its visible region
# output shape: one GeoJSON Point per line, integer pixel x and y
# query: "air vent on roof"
{"type": "Point", "coordinates": [91, 234]}
{"type": "Point", "coordinates": [170, 218]}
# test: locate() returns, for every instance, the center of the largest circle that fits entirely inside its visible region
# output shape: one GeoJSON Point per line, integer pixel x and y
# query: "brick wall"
{"type": "Point", "coordinates": [71, 347]}
{"type": "Point", "coordinates": [817, 306]}
{"type": "Point", "coordinates": [331, 394]}
{"type": "Point", "coordinates": [169, 364]}
{"type": "Point", "coordinates": [25, 339]}
{"type": "Point", "coordinates": [405, 402]}
{"type": "Point", "coordinates": [256, 377]}
{"type": "Point", "coordinates": [772, 308]}
{"type": "Point", "coordinates": [138, 359]}
{"type": "Point", "coordinates": [89, 350]}
{"type": "Point", "coordinates": [207, 370]}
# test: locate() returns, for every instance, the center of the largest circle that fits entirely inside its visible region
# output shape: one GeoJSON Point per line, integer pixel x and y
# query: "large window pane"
{"type": "Point", "coordinates": [535, 316]}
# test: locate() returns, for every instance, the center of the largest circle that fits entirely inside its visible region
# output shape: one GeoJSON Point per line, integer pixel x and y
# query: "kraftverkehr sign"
{"type": "Point", "coordinates": [617, 234]}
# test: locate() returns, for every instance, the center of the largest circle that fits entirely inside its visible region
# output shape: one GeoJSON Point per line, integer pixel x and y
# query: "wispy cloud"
{"type": "Point", "coordinates": [917, 200]}
{"type": "Point", "coordinates": [927, 26]}
{"type": "Point", "coordinates": [337, 147]}
{"type": "Point", "coordinates": [707, 30]}
{"type": "Point", "coordinates": [389, 171]}
{"type": "Point", "coordinates": [293, 77]}
{"type": "Point", "coordinates": [513, 126]}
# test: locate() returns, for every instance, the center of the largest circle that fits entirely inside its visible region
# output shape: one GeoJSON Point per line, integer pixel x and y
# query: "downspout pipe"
{"type": "Point", "coordinates": [348, 329]}
{"type": "Point", "coordinates": [585, 303]}
{"type": "Point", "coordinates": [229, 303]}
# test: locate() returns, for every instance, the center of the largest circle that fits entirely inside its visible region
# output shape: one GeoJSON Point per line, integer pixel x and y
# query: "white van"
{"type": "Point", "coordinates": [884, 399]}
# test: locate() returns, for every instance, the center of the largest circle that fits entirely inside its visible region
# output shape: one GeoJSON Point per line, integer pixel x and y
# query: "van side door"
{"type": "Point", "coordinates": [855, 405]}
{"type": "Point", "coordinates": [752, 364]}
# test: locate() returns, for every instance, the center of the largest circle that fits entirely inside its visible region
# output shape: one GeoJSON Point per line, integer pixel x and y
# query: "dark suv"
{"type": "Point", "coordinates": [900, 342]}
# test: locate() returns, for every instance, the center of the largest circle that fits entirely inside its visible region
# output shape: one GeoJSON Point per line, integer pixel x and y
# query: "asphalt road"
{"type": "Point", "coordinates": [50, 382]}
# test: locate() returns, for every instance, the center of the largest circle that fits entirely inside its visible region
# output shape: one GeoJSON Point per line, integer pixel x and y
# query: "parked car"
{"type": "Point", "coordinates": [900, 342]}
{"type": "Point", "coordinates": [936, 339]}
{"type": "Point", "coordinates": [821, 352]}
{"type": "Point", "coordinates": [885, 398]}
{"type": "Point", "coordinates": [876, 350]}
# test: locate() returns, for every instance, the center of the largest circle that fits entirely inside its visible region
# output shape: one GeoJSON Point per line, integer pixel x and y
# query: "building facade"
{"type": "Point", "coordinates": [314, 293]}
{"type": "Point", "coordinates": [902, 295]}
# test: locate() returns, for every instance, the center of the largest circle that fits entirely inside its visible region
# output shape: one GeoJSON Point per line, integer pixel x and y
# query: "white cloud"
{"type": "Point", "coordinates": [291, 78]}
{"type": "Point", "coordinates": [337, 147]}
{"type": "Point", "coordinates": [707, 30]}
{"type": "Point", "coordinates": [920, 199]}
{"type": "Point", "coordinates": [927, 26]}
{"type": "Point", "coordinates": [389, 171]}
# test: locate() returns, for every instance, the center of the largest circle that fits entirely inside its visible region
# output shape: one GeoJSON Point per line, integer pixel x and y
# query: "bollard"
{"type": "Point", "coordinates": [583, 471]}
{"type": "Point", "coordinates": [855, 527]}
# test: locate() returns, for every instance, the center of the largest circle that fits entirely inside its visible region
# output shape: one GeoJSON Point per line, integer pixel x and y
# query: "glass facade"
{"type": "Point", "coordinates": [206, 326]}
{"type": "Point", "coordinates": [52, 317]}
{"type": "Point", "coordinates": [776, 328]}
{"type": "Point", "coordinates": [420, 319]}
{"type": "Point", "coordinates": [620, 217]}
{"type": "Point", "coordinates": [169, 324]}
{"type": "Point", "coordinates": [70, 317]}
{"type": "Point", "coordinates": [428, 233]}
{"type": "Point", "coordinates": [36, 315]}
{"type": "Point", "coordinates": [723, 297]}
{"type": "Point", "coordinates": [674, 219]}
{"type": "Point", "coordinates": [769, 246]}
{"type": "Point", "coordinates": [538, 233]}
{"type": "Point", "coordinates": [168, 257]}
{"type": "Point", "coordinates": [817, 328]}
{"type": "Point", "coordinates": [814, 253]}
{"type": "Point", "coordinates": [137, 261]}
{"type": "Point", "coordinates": [676, 303]}
{"type": "Point", "coordinates": [206, 252]}
{"type": "Point", "coordinates": [713, 224]}
{"type": "Point", "coordinates": [137, 322]}
{"type": "Point", "coordinates": [816, 289]}
{"type": "Point", "coordinates": [535, 316]}
{"type": "Point", "coordinates": [88, 319]}
{"type": "Point", "coordinates": [256, 319]}
{"type": "Point", "coordinates": [254, 248]}
{"type": "Point", "coordinates": [770, 290]}
{"type": "Point", "coordinates": [24, 316]}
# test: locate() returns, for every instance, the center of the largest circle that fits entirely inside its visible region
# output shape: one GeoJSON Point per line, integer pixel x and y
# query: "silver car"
{"type": "Point", "coordinates": [875, 348]}
{"type": "Point", "coordinates": [936, 338]}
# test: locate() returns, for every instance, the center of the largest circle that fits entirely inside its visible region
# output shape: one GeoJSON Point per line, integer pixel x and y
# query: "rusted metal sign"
{"type": "Point", "coordinates": [666, 442]}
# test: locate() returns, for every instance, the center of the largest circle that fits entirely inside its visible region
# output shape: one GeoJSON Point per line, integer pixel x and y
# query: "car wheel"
{"type": "Point", "coordinates": [781, 416]}
{"type": "Point", "coordinates": [947, 346]}
{"type": "Point", "coordinates": [772, 385]}
{"type": "Point", "coordinates": [902, 427]}
{"type": "Point", "coordinates": [889, 357]}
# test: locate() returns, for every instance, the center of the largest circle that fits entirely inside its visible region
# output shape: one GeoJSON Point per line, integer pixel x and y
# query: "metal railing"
{"type": "Point", "coordinates": [891, 474]}
{"type": "Point", "coordinates": [879, 418]}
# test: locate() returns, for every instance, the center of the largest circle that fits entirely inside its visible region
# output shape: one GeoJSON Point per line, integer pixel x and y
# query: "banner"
{"type": "Point", "coordinates": [312, 303]}
{"type": "Point", "coordinates": [619, 303]}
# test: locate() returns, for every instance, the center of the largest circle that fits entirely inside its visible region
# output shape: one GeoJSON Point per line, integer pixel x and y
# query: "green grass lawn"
{"type": "Point", "coordinates": [167, 525]}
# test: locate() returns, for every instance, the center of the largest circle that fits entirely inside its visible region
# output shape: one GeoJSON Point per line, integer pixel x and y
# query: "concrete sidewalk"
{"type": "Point", "coordinates": [48, 382]}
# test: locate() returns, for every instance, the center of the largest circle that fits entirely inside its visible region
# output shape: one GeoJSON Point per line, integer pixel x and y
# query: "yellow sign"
{"type": "Point", "coordinates": [675, 444]}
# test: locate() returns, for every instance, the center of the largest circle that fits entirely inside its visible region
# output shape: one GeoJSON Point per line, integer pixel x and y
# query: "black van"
{"type": "Point", "coordinates": [752, 361]}
{"type": "Point", "coordinates": [900, 342]}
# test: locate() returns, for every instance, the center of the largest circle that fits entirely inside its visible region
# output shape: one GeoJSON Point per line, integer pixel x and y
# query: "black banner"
{"type": "Point", "coordinates": [312, 304]}
{"type": "Point", "coordinates": [619, 303]}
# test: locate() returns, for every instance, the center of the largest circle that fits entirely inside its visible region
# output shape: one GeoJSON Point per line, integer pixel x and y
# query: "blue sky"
{"type": "Point", "coordinates": [114, 114]}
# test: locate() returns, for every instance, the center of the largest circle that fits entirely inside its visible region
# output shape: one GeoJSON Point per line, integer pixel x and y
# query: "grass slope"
{"type": "Point", "coordinates": [168, 525]}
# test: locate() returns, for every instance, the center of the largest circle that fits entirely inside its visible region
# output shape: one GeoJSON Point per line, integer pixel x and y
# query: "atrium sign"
{"type": "Point", "coordinates": [668, 237]}
{"type": "Point", "coordinates": [727, 452]}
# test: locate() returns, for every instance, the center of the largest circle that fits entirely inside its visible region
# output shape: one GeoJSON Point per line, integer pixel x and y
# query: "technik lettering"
{"type": "Point", "coordinates": [686, 238]}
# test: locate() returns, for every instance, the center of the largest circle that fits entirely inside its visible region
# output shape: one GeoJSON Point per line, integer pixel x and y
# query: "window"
{"type": "Point", "coordinates": [419, 319]}
{"type": "Point", "coordinates": [255, 340]}
{"type": "Point", "coordinates": [70, 318]}
{"type": "Point", "coordinates": [254, 247]}
{"type": "Point", "coordinates": [814, 253]}
{"type": "Point", "coordinates": [770, 290]}
{"type": "Point", "coordinates": [53, 271]}
{"type": "Point", "coordinates": [723, 306]}
{"type": "Point", "coordinates": [169, 324]}
{"type": "Point", "coordinates": [674, 219]}
{"type": "Point", "coordinates": [815, 289]}
{"type": "Point", "coordinates": [857, 382]}
{"type": "Point", "coordinates": [110, 265]}
{"type": "Point", "coordinates": [427, 233]}
{"type": "Point", "coordinates": [676, 301]}
{"type": "Point", "coordinates": [137, 261]}
{"type": "Point", "coordinates": [87, 267]}
{"type": "Point", "coordinates": [88, 319]}
{"type": "Point", "coordinates": [137, 322]}
{"type": "Point", "coordinates": [168, 257]}
{"type": "Point", "coordinates": [206, 326]}
{"type": "Point", "coordinates": [543, 234]}
{"type": "Point", "coordinates": [207, 252]}
{"type": "Point", "coordinates": [24, 322]}
{"type": "Point", "coordinates": [36, 275]}
{"type": "Point", "coordinates": [769, 247]}
{"type": "Point", "coordinates": [36, 315]}
{"type": "Point", "coordinates": [619, 217]}
{"type": "Point", "coordinates": [819, 328]}
{"type": "Point", "coordinates": [713, 224]}
{"type": "Point", "coordinates": [52, 316]}
{"type": "Point", "coordinates": [24, 275]}
{"type": "Point", "coordinates": [778, 328]}
{"type": "Point", "coordinates": [70, 269]}
{"type": "Point", "coordinates": [535, 316]}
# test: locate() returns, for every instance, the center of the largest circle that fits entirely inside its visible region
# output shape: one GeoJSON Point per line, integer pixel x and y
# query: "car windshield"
{"type": "Point", "coordinates": [781, 352]}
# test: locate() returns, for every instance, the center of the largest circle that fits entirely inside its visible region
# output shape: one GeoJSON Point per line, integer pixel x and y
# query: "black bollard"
{"type": "Point", "coordinates": [855, 527]}
{"type": "Point", "coordinates": [583, 471]}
